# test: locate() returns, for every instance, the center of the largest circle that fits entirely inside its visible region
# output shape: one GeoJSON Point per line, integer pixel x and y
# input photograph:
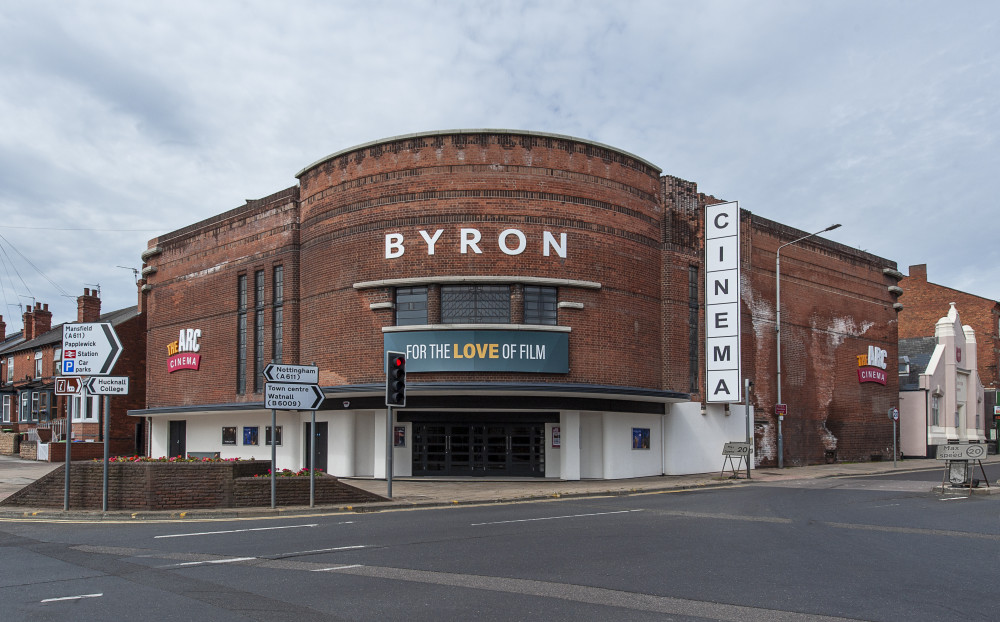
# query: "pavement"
{"type": "Point", "coordinates": [437, 492]}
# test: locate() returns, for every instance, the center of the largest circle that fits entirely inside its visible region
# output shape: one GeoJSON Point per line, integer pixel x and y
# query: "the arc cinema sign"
{"type": "Point", "coordinates": [722, 302]}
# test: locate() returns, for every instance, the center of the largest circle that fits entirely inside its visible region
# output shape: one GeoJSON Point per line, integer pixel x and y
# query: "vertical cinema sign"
{"type": "Point", "coordinates": [722, 302]}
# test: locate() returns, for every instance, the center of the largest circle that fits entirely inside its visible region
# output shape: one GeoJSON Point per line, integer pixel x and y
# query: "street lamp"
{"type": "Point", "coordinates": [777, 329]}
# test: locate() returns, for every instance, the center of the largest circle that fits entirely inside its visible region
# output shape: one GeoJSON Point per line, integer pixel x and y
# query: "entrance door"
{"type": "Point", "coordinates": [177, 440]}
{"type": "Point", "coordinates": [321, 445]}
{"type": "Point", "coordinates": [493, 449]}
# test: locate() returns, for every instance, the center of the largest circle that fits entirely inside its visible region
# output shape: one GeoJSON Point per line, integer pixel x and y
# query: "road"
{"type": "Point", "coordinates": [866, 548]}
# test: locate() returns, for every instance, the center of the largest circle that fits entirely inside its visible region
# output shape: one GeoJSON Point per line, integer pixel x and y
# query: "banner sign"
{"type": "Point", "coordinates": [872, 366]}
{"type": "Point", "coordinates": [182, 354]}
{"type": "Point", "coordinates": [539, 352]}
{"type": "Point", "coordinates": [722, 303]}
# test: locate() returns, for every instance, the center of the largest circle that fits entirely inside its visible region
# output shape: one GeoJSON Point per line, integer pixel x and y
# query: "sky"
{"type": "Point", "coordinates": [124, 120]}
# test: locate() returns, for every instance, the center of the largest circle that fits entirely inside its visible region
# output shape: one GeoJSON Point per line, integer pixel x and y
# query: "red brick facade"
{"type": "Point", "coordinates": [925, 303]}
{"type": "Point", "coordinates": [636, 233]}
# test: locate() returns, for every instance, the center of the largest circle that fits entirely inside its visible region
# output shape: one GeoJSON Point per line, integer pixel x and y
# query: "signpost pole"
{"type": "Point", "coordinates": [107, 450]}
{"type": "Point", "coordinates": [69, 446]}
{"type": "Point", "coordinates": [388, 451]}
{"type": "Point", "coordinates": [746, 392]}
{"type": "Point", "coordinates": [312, 462]}
{"type": "Point", "coordinates": [274, 452]}
{"type": "Point", "coordinates": [894, 415]}
{"type": "Point", "coordinates": [894, 443]}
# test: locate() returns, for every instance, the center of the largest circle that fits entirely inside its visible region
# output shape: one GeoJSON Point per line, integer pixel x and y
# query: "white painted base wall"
{"type": "Point", "coordinates": [694, 441]}
{"type": "Point", "coordinates": [593, 445]}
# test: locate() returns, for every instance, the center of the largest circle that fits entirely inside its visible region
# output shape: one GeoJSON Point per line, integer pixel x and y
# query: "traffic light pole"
{"type": "Point", "coordinates": [388, 451]}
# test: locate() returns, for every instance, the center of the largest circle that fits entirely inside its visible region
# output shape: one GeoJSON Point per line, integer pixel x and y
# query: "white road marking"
{"type": "Point", "coordinates": [213, 561]}
{"type": "Point", "coordinates": [336, 568]}
{"type": "Point", "coordinates": [528, 520]}
{"type": "Point", "coordinates": [212, 533]}
{"type": "Point", "coordinates": [953, 498]}
{"type": "Point", "coordinates": [52, 600]}
{"type": "Point", "coordinates": [336, 548]}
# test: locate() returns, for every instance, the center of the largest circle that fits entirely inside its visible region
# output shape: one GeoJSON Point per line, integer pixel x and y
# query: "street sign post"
{"type": "Point", "coordinates": [68, 385]}
{"type": "Point", "coordinates": [781, 409]}
{"type": "Point", "coordinates": [107, 385]}
{"type": "Point", "coordinates": [299, 374]}
{"type": "Point", "coordinates": [894, 415]}
{"type": "Point", "coordinates": [89, 349]}
{"type": "Point", "coordinates": [290, 396]}
{"type": "Point", "coordinates": [292, 387]}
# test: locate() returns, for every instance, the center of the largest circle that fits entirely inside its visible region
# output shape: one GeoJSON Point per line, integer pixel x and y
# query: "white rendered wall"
{"type": "Point", "coordinates": [591, 445]}
{"type": "Point", "coordinates": [693, 441]}
{"type": "Point", "coordinates": [204, 434]}
{"type": "Point", "coordinates": [369, 456]}
{"type": "Point", "coordinates": [340, 454]}
{"type": "Point", "coordinates": [913, 423]}
{"type": "Point", "coordinates": [402, 457]}
{"type": "Point", "coordinates": [553, 455]}
{"type": "Point", "coordinates": [569, 452]}
{"type": "Point", "coordinates": [620, 460]}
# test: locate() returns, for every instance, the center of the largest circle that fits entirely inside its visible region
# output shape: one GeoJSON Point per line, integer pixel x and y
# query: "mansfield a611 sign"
{"type": "Point", "coordinates": [89, 349]}
{"type": "Point", "coordinates": [722, 302]}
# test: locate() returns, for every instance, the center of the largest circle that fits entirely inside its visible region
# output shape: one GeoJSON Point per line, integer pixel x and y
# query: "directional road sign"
{"type": "Point", "coordinates": [302, 374]}
{"type": "Point", "coordinates": [68, 386]}
{"type": "Point", "coordinates": [289, 396]}
{"type": "Point", "coordinates": [107, 385]}
{"type": "Point", "coordinates": [89, 349]}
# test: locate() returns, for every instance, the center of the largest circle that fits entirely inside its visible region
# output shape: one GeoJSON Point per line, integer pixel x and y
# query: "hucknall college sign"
{"type": "Point", "coordinates": [541, 352]}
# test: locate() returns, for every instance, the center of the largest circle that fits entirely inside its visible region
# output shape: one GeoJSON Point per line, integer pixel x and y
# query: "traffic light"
{"type": "Point", "coordinates": [395, 379]}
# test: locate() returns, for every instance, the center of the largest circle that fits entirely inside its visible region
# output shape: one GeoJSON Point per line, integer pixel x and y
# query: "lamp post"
{"type": "Point", "coordinates": [777, 329]}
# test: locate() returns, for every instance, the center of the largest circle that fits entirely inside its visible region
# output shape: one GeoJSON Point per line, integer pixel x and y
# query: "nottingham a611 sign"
{"type": "Point", "coordinates": [89, 349]}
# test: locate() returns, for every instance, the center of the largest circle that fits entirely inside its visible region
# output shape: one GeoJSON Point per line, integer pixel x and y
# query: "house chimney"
{"type": "Point", "coordinates": [919, 272]}
{"type": "Point", "coordinates": [29, 324]}
{"type": "Point", "coordinates": [88, 306]}
{"type": "Point", "coordinates": [42, 319]}
{"type": "Point", "coordinates": [3, 329]}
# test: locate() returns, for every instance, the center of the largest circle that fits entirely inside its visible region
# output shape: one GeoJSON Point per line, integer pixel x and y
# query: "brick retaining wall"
{"type": "Point", "coordinates": [256, 491]}
{"type": "Point", "coordinates": [80, 452]}
{"type": "Point", "coordinates": [177, 486]}
{"type": "Point", "coordinates": [9, 443]}
{"type": "Point", "coordinates": [28, 450]}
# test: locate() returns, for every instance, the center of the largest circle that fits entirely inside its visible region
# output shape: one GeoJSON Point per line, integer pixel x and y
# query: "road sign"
{"type": "Point", "coordinates": [302, 374]}
{"type": "Point", "coordinates": [781, 409]}
{"type": "Point", "coordinates": [68, 386]}
{"type": "Point", "coordinates": [961, 451]}
{"type": "Point", "coordinates": [107, 385]}
{"type": "Point", "coordinates": [89, 349]}
{"type": "Point", "coordinates": [290, 396]}
{"type": "Point", "coordinates": [894, 413]}
{"type": "Point", "coordinates": [737, 449]}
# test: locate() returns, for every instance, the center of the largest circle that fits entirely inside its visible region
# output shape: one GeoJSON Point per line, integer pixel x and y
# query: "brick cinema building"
{"type": "Point", "coordinates": [550, 294]}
